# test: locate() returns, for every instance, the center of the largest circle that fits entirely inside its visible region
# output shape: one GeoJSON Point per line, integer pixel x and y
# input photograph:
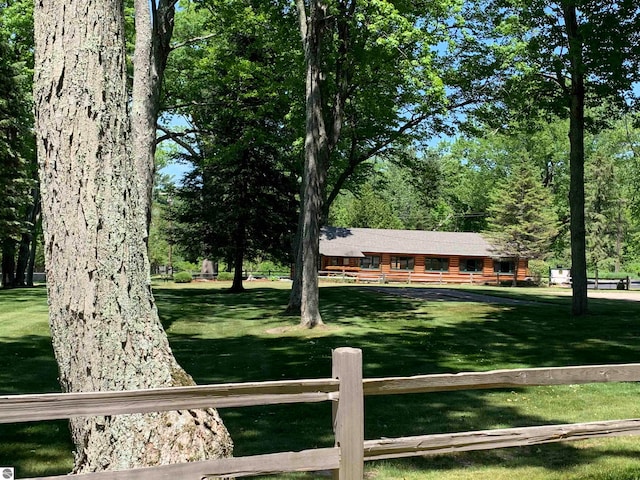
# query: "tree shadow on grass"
{"type": "Point", "coordinates": [495, 337]}
{"type": "Point", "coordinates": [196, 303]}
{"type": "Point", "coordinates": [19, 295]}
{"type": "Point", "coordinates": [36, 448]}
{"type": "Point", "coordinates": [222, 338]}
{"type": "Point", "coordinates": [28, 366]}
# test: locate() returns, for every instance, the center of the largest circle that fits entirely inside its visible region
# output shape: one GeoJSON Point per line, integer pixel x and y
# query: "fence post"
{"type": "Point", "coordinates": [348, 413]}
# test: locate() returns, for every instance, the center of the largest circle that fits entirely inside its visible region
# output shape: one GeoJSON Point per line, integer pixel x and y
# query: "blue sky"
{"type": "Point", "coordinates": [175, 170]}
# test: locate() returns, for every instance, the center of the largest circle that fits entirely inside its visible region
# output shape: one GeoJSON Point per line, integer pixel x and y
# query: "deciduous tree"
{"type": "Point", "coordinates": [555, 58]}
{"type": "Point", "coordinates": [372, 84]}
{"type": "Point", "coordinates": [601, 206]}
{"type": "Point", "coordinates": [367, 210]}
{"type": "Point", "coordinates": [105, 328]}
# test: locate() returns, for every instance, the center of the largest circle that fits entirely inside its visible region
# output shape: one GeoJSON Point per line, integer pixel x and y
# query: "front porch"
{"type": "Point", "coordinates": [388, 268]}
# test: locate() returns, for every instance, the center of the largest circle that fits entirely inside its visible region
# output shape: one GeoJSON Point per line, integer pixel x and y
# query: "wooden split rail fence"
{"type": "Point", "coordinates": [376, 276]}
{"type": "Point", "coordinates": [346, 389]}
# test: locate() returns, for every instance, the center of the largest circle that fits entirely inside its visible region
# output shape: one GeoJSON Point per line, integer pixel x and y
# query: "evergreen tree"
{"type": "Point", "coordinates": [521, 223]}
{"type": "Point", "coordinates": [236, 206]}
{"type": "Point", "coordinates": [601, 212]}
{"type": "Point", "coordinates": [16, 172]}
{"type": "Point", "coordinates": [238, 202]}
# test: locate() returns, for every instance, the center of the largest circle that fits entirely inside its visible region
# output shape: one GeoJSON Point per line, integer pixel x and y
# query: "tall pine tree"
{"type": "Point", "coordinates": [522, 222]}
{"type": "Point", "coordinates": [600, 213]}
{"type": "Point", "coordinates": [238, 202]}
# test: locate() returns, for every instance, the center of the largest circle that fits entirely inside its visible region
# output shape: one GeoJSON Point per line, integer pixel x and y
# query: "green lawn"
{"type": "Point", "coordinates": [220, 337]}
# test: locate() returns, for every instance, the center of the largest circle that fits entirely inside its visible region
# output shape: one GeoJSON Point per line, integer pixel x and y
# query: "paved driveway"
{"type": "Point", "coordinates": [629, 295]}
{"type": "Point", "coordinates": [451, 294]}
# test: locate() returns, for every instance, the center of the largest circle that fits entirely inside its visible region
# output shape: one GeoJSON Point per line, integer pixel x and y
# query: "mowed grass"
{"type": "Point", "coordinates": [219, 337]}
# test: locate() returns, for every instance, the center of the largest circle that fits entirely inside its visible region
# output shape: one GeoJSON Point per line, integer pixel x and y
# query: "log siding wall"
{"type": "Point", "coordinates": [420, 274]}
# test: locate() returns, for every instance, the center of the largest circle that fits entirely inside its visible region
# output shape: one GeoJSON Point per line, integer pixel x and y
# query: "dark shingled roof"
{"type": "Point", "coordinates": [354, 242]}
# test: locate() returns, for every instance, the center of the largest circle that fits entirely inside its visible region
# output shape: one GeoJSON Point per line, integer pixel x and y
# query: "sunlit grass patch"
{"type": "Point", "coordinates": [219, 337]}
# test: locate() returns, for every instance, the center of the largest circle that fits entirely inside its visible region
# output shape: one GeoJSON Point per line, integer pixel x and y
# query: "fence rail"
{"type": "Point", "coordinates": [54, 406]}
{"type": "Point", "coordinates": [439, 444]}
{"type": "Point", "coordinates": [376, 276]}
{"type": "Point", "coordinates": [516, 378]}
{"type": "Point", "coordinates": [346, 389]}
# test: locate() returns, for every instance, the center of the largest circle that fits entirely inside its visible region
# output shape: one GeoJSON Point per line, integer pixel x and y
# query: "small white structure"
{"type": "Point", "coordinates": [559, 276]}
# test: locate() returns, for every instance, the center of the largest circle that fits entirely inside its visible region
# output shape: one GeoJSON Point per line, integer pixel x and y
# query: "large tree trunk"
{"type": "Point", "coordinates": [310, 301]}
{"type": "Point", "coordinates": [105, 328]}
{"type": "Point", "coordinates": [316, 153]}
{"type": "Point", "coordinates": [576, 158]}
{"type": "Point", "coordinates": [154, 28]}
{"type": "Point", "coordinates": [321, 136]}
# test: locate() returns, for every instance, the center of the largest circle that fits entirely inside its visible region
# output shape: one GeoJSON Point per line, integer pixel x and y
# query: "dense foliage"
{"type": "Point", "coordinates": [456, 186]}
{"type": "Point", "coordinates": [18, 201]}
{"type": "Point", "coordinates": [502, 72]}
{"type": "Point", "coordinates": [238, 201]}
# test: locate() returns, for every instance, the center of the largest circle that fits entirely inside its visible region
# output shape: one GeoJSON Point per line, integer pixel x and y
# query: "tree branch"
{"type": "Point", "coordinates": [191, 41]}
{"type": "Point", "coordinates": [191, 104]}
{"type": "Point", "coordinates": [177, 138]}
{"type": "Point", "coordinates": [302, 20]}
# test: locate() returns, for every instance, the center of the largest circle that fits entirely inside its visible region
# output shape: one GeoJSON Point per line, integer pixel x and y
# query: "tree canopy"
{"type": "Point", "coordinates": [550, 58]}
{"type": "Point", "coordinates": [239, 198]}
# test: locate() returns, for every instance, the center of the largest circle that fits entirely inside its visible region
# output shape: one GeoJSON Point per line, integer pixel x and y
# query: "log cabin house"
{"type": "Point", "coordinates": [368, 254]}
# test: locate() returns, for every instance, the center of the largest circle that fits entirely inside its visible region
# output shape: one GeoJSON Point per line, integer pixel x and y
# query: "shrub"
{"type": "Point", "coordinates": [183, 265]}
{"type": "Point", "coordinates": [539, 271]}
{"type": "Point", "coordinates": [225, 276]}
{"type": "Point", "coordinates": [182, 277]}
{"type": "Point", "coordinates": [269, 266]}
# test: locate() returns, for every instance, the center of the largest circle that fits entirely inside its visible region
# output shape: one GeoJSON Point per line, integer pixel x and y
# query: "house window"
{"type": "Point", "coordinates": [333, 261]}
{"type": "Point", "coordinates": [436, 264]}
{"type": "Point", "coordinates": [470, 265]}
{"type": "Point", "coordinates": [506, 266]}
{"type": "Point", "coordinates": [402, 263]}
{"type": "Point", "coordinates": [370, 262]}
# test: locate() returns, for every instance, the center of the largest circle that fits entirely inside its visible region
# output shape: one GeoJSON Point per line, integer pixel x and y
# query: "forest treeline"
{"type": "Point", "coordinates": [432, 110]}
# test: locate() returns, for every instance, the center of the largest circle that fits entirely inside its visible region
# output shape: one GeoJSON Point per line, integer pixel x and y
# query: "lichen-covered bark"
{"type": "Point", "coordinates": [105, 328]}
